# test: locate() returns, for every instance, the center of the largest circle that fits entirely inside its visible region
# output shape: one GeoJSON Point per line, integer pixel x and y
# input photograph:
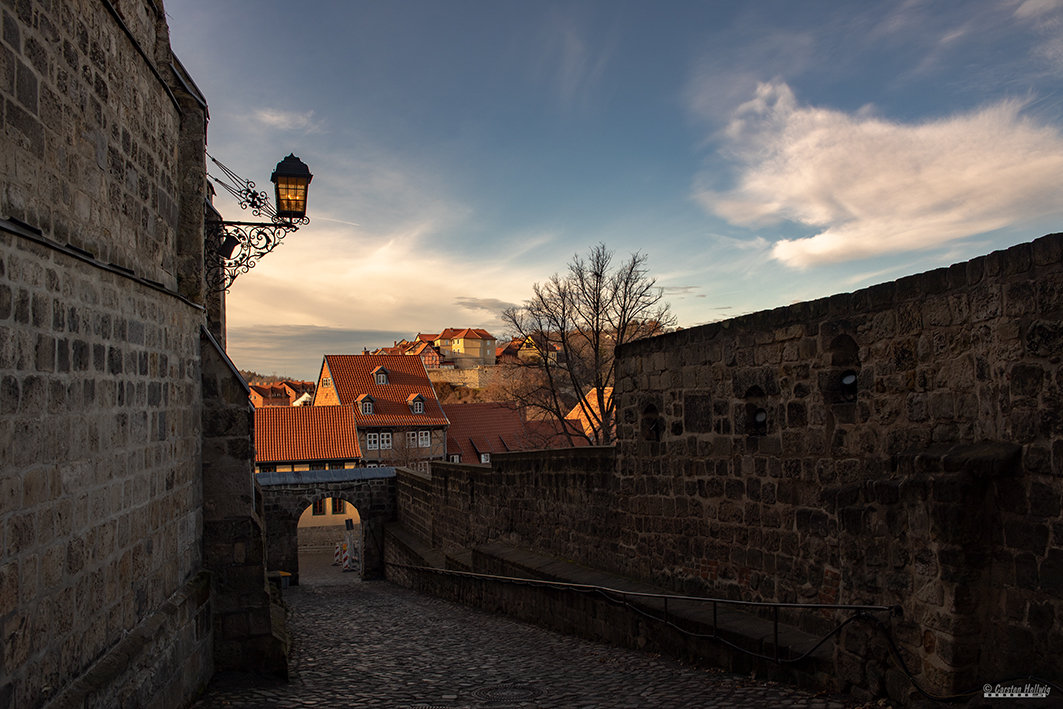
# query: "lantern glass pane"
{"type": "Point", "coordinates": [291, 196]}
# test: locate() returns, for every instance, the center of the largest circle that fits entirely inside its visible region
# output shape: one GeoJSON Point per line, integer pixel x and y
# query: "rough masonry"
{"type": "Point", "coordinates": [106, 598]}
{"type": "Point", "coordinates": [902, 444]}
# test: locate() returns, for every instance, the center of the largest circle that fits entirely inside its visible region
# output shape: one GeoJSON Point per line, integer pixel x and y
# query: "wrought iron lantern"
{"type": "Point", "coordinates": [233, 248]}
{"type": "Point", "coordinates": [291, 178]}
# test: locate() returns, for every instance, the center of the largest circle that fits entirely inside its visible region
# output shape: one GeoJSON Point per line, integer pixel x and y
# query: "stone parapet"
{"type": "Point", "coordinates": [897, 446]}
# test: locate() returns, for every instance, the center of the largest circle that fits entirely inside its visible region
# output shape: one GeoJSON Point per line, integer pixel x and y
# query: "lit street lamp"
{"type": "Point", "coordinates": [233, 248]}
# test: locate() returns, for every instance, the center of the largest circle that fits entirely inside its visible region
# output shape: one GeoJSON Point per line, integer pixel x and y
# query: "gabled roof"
{"type": "Point", "coordinates": [352, 376]}
{"type": "Point", "coordinates": [586, 413]}
{"type": "Point", "coordinates": [483, 428]}
{"type": "Point", "coordinates": [468, 333]}
{"type": "Point", "coordinates": [297, 386]}
{"type": "Point", "coordinates": [419, 348]}
{"type": "Point", "coordinates": [305, 433]}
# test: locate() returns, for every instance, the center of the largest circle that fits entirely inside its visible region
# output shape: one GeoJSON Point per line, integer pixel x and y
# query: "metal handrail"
{"type": "Point", "coordinates": [861, 611]}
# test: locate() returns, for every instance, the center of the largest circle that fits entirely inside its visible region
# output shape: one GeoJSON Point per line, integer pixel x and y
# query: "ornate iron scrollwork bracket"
{"type": "Point", "coordinates": [249, 241]}
{"type": "Point", "coordinates": [233, 248]}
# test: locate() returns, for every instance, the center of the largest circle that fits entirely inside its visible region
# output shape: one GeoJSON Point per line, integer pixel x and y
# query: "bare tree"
{"type": "Point", "coordinates": [570, 329]}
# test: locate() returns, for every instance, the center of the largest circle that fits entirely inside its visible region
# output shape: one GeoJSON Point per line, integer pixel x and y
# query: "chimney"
{"type": "Point", "coordinates": [365, 350]}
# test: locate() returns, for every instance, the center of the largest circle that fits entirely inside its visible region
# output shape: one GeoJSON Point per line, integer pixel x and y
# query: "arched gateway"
{"type": "Point", "coordinates": [287, 494]}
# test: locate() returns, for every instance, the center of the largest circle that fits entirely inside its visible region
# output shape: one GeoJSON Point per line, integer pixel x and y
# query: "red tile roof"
{"type": "Point", "coordinates": [483, 428]}
{"type": "Point", "coordinates": [550, 433]}
{"type": "Point", "coordinates": [305, 433]}
{"type": "Point", "coordinates": [353, 377]}
{"type": "Point", "coordinates": [468, 333]}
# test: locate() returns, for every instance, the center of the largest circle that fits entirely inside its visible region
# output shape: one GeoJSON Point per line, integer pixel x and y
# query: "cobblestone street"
{"type": "Point", "coordinates": [375, 644]}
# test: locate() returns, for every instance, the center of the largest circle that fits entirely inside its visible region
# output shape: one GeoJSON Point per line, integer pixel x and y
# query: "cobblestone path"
{"type": "Point", "coordinates": [375, 644]}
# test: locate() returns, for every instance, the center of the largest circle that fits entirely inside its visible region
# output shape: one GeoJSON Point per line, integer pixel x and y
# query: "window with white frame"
{"type": "Point", "coordinates": [372, 441]}
{"type": "Point", "coordinates": [381, 377]}
{"type": "Point", "coordinates": [418, 406]}
{"type": "Point", "coordinates": [326, 382]}
{"type": "Point", "coordinates": [367, 407]}
{"type": "Point", "coordinates": [485, 457]}
{"type": "Point", "coordinates": [385, 441]}
{"type": "Point", "coordinates": [424, 439]}
{"type": "Point", "coordinates": [455, 457]}
{"type": "Point", "coordinates": [411, 439]}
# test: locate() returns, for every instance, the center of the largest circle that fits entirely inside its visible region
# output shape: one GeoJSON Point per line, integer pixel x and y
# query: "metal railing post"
{"type": "Point", "coordinates": [776, 633]}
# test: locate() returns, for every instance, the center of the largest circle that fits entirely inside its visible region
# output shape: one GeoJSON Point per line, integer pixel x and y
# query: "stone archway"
{"type": "Point", "coordinates": [285, 495]}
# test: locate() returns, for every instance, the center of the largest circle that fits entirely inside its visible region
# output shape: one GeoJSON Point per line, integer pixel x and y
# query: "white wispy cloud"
{"type": "Point", "coordinates": [872, 186]}
{"type": "Point", "coordinates": [573, 62]}
{"type": "Point", "coordinates": [288, 120]}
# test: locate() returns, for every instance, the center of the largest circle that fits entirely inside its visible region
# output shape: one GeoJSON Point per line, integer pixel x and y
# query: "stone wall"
{"type": "Point", "coordinates": [233, 535]}
{"type": "Point", "coordinates": [560, 502]}
{"type": "Point", "coordinates": [92, 127]}
{"type": "Point", "coordinates": [902, 444]}
{"type": "Point", "coordinates": [102, 589]}
{"type": "Point", "coordinates": [932, 480]}
{"type": "Point", "coordinates": [477, 377]}
{"type": "Point", "coordinates": [99, 441]}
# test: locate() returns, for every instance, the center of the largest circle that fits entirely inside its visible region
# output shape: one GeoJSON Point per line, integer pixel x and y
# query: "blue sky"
{"type": "Point", "coordinates": [760, 153]}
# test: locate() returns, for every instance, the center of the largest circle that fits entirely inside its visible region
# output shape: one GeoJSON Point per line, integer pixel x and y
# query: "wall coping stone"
{"type": "Point", "coordinates": [1009, 262]}
{"type": "Point", "coordinates": [313, 477]}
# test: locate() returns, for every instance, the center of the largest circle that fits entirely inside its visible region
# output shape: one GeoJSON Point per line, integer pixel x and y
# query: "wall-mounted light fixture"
{"type": "Point", "coordinates": [759, 422]}
{"type": "Point", "coordinates": [848, 385]}
{"type": "Point", "coordinates": [233, 248]}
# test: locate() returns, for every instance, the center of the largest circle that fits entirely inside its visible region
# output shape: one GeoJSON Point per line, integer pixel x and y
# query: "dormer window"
{"type": "Point", "coordinates": [365, 404]}
{"type": "Point", "coordinates": [416, 403]}
{"type": "Point", "coordinates": [380, 375]}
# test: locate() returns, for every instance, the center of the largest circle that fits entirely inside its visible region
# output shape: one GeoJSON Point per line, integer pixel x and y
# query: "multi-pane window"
{"type": "Point", "coordinates": [455, 458]}
{"type": "Point", "coordinates": [336, 466]}
{"type": "Point", "coordinates": [424, 439]}
{"type": "Point", "coordinates": [372, 441]}
{"type": "Point", "coordinates": [418, 407]}
{"type": "Point", "coordinates": [326, 382]}
{"type": "Point", "coordinates": [385, 441]}
{"type": "Point", "coordinates": [381, 377]}
{"type": "Point", "coordinates": [267, 468]}
{"type": "Point", "coordinates": [317, 466]}
{"type": "Point", "coordinates": [367, 407]}
{"type": "Point", "coordinates": [411, 439]}
{"type": "Point", "coordinates": [485, 457]}
{"type": "Point", "coordinates": [339, 507]}
{"type": "Point", "coordinates": [319, 507]}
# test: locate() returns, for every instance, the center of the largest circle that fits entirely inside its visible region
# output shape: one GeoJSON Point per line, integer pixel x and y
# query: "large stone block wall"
{"type": "Point", "coordinates": [100, 492]}
{"type": "Point", "coordinates": [934, 482]}
{"type": "Point", "coordinates": [91, 130]}
{"type": "Point", "coordinates": [101, 590]}
{"type": "Point", "coordinates": [560, 502]}
{"type": "Point", "coordinates": [246, 637]}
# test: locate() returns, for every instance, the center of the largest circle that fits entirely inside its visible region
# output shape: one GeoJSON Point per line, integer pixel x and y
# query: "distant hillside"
{"type": "Point", "coordinates": [256, 378]}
